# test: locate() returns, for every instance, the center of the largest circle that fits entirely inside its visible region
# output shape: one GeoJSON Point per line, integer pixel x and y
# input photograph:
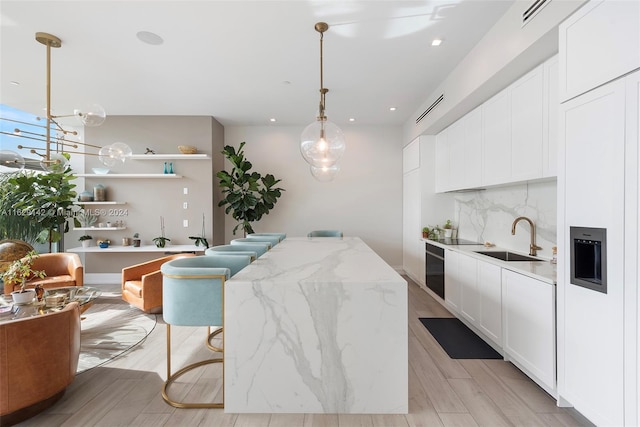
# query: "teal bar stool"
{"type": "Point", "coordinates": [325, 233]}
{"type": "Point", "coordinates": [254, 251]}
{"type": "Point", "coordinates": [274, 240]}
{"type": "Point", "coordinates": [193, 295]}
{"type": "Point", "coordinates": [263, 247]}
{"type": "Point", "coordinates": [280, 236]}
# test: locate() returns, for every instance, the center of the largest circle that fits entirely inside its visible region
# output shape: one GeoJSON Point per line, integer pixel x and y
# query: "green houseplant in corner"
{"type": "Point", "coordinates": [20, 272]}
{"type": "Point", "coordinates": [247, 195]}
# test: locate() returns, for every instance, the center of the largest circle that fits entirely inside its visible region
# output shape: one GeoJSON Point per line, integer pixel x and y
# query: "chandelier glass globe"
{"type": "Point", "coordinates": [10, 161]}
{"type": "Point", "coordinates": [56, 163]}
{"type": "Point", "coordinates": [325, 173]}
{"type": "Point", "coordinates": [91, 115]}
{"type": "Point", "coordinates": [322, 143]}
{"type": "Point", "coordinates": [113, 154]}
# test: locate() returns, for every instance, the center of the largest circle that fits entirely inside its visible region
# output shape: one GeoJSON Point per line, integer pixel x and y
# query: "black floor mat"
{"type": "Point", "coordinates": [458, 340]}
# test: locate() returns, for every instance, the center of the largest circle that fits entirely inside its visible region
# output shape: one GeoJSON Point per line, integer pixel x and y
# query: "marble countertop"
{"type": "Point", "coordinates": [542, 270]}
{"type": "Point", "coordinates": [330, 260]}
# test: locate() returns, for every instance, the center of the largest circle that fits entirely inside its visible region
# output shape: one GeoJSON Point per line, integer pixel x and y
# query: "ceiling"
{"type": "Point", "coordinates": [242, 62]}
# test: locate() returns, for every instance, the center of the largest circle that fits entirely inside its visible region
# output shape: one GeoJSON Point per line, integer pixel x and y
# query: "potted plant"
{"type": "Point", "coordinates": [201, 239]}
{"type": "Point", "coordinates": [247, 195]}
{"type": "Point", "coordinates": [49, 199]}
{"type": "Point", "coordinates": [425, 232]}
{"type": "Point", "coordinates": [85, 240]}
{"type": "Point", "coordinates": [20, 272]}
{"type": "Point", "coordinates": [136, 240]}
{"type": "Point", "coordinates": [448, 229]}
{"type": "Point", "coordinates": [161, 241]}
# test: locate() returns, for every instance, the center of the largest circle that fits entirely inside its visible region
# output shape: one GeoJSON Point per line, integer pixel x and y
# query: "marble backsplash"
{"type": "Point", "coordinates": [487, 215]}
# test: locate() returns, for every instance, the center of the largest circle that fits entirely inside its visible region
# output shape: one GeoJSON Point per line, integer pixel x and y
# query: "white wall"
{"type": "Point", "coordinates": [505, 53]}
{"type": "Point", "coordinates": [487, 215]}
{"type": "Point", "coordinates": [364, 200]}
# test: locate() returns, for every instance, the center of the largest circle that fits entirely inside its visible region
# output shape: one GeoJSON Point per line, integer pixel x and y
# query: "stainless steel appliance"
{"type": "Point", "coordinates": [434, 273]}
{"type": "Point", "coordinates": [588, 257]}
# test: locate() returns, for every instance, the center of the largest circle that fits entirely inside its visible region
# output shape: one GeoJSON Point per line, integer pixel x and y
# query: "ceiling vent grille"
{"type": "Point", "coordinates": [431, 107]}
{"type": "Point", "coordinates": [532, 10]}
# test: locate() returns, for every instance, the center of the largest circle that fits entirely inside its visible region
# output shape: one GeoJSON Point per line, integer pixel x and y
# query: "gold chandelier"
{"type": "Point", "coordinates": [322, 142]}
{"type": "Point", "coordinates": [52, 156]}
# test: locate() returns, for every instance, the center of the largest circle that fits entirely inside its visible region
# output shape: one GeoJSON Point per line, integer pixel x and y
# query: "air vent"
{"type": "Point", "coordinates": [532, 10]}
{"type": "Point", "coordinates": [431, 107]}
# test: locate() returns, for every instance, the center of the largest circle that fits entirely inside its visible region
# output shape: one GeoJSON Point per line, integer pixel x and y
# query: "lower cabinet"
{"type": "Point", "coordinates": [511, 311]}
{"type": "Point", "coordinates": [529, 320]}
{"type": "Point", "coordinates": [473, 292]}
{"type": "Point", "coordinates": [490, 291]}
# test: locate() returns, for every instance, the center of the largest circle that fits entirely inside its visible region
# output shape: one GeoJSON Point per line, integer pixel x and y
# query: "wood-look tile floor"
{"type": "Point", "coordinates": [442, 391]}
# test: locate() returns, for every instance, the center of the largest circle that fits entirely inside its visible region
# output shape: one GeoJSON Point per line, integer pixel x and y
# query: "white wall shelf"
{"type": "Point", "coordinates": [100, 228]}
{"type": "Point", "coordinates": [100, 203]}
{"type": "Point", "coordinates": [129, 175]}
{"type": "Point", "coordinates": [170, 157]}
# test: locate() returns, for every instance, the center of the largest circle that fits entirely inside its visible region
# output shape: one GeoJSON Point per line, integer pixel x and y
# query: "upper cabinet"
{"type": "Point", "coordinates": [510, 138]}
{"type": "Point", "coordinates": [598, 43]}
{"type": "Point", "coordinates": [496, 136]}
{"type": "Point", "coordinates": [526, 126]}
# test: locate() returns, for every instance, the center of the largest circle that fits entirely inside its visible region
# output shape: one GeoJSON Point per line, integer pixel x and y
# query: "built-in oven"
{"type": "Point", "coordinates": [435, 269]}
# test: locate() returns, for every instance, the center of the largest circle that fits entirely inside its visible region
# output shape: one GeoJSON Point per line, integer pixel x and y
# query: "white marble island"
{"type": "Point", "coordinates": [316, 326]}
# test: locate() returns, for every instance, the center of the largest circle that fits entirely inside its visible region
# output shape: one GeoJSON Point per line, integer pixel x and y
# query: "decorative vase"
{"type": "Point", "coordinates": [136, 243]}
{"type": "Point", "coordinates": [126, 241]}
{"type": "Point", "coordinates": [166, 169]}
{"type": "Point", "coordinates": [171, 167]}
{"type": "Point", "coordinates": [447, 233]}
{"type": "Point", "coordinates": [23, 297]}
{"type": "Point", "coordinates": [99, 193]}
{"type": "Point", "coordinates": [86, 243]}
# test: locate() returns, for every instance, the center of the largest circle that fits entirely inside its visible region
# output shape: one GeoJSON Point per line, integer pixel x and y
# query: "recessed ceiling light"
{"type": "Point", "coordinates": [272, 120]}
{"type": "Point", "coordinates": [149, 38]}
{"type": "Point", "coordinates": [15, 83]}
{"type": "Point", "coordinates": [352, 119]}
{"type": "Point", "coordinates": [392, 108]}
{"type": "Point", "coordinates": [436, 42]}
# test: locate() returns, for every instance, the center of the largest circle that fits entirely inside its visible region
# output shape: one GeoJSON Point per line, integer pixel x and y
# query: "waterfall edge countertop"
{"type": "Point", "coordinates": [316, 326]}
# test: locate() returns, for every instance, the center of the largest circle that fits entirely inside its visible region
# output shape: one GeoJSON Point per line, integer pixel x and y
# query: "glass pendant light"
{"type": "Point", "coordinates": [322, 142]}
{"type": "Point", "coordinates": [325, 173]}
{"type": "Point", "coordinates": [55, 147]}
{"type": "Point", "coordinates": [10, 161]}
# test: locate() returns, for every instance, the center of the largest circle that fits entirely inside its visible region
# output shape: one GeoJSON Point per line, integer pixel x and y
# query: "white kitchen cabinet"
{"type": "Point", "coordinates": [551, 112]}
{"type": "Point", "coordinates": [470, 299]}
{"type": "Point", "coordinates": [451, 281]}
{"type": "Point", "coordinates": [496, 139]}
{"type": "Point", "coordinates": [472, 165]}
{"type": "Point", "coordinates": [594, 126]}
{"type": "Point", "coordinates": [529, 320]}
{"type": "Point", "coordinates": [527, 126]}
{"type": "Point", "coordinates": [412, 246]}
{"type": "Point", "coordinates": [598, 43]}
{"type": "Point", "coordinates": [455, 155]}
{"type": "Point", "coordinates": [489, 285]}
{"type": "Point", "coordinates": [443, 170]}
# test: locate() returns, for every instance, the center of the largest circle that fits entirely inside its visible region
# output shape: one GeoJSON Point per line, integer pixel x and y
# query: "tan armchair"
{"type": "Point", "coordinates": [38, 360]}
{"type": "Point", "coordinates": [142, 284]}
{"type": "Point", "coordinates": [63, 269]}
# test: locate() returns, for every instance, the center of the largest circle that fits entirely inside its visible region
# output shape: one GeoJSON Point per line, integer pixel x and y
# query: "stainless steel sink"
{"type": "Point", "coordinates": [507, 256]}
